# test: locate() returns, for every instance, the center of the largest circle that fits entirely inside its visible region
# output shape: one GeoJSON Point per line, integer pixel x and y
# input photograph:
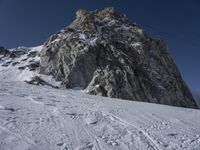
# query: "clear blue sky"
{"type": "Point", "coordinates": [31, 22]}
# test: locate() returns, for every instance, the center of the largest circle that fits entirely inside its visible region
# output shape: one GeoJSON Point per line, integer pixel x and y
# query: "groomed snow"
{"type": "Point", "coordinates": [43, 118]}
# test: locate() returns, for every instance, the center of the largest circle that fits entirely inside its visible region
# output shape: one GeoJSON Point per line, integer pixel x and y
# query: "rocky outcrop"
{"type": "Point", "coordinates": [105, 54]}
{"type": "Point", "coordinates": [4, 51]}
{"type": "Point", "coordinates": [14, 53]}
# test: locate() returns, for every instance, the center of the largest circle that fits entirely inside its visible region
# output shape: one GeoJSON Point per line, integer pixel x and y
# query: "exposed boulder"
{"type": "Point", "coordinates": [104, 53]}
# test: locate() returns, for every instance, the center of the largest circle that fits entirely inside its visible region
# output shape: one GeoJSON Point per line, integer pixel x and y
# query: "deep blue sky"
{"type": "Point", "coordinates": [31, 22]}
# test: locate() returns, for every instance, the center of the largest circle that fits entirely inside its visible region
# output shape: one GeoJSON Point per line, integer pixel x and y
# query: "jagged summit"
{"type": "Point", "coordinates": [90, 20]}
{"type": "Point", "coordinates": [109, 12]}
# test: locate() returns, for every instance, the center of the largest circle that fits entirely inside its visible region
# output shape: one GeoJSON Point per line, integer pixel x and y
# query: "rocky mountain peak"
{"type": "Point", "coordinates": [105, 54]}
{"type": "Point", "coordinates": [109, 13]}
{"type": "Point", "coordinates": [81, 14]}
{"type": "Point", "coordinates": [93, 20]}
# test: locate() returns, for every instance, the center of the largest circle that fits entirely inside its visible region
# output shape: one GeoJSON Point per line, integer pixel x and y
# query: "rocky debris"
{"type": "Point", "coordinates": [15, 63]}
{"type": "Point", "coordinates": [22, 67]}
{"type": "Point", "coordinates": [33, 65]}
{"type": "Point", "coordinates": [10, 109]}
{"type": "Point", "coordinates": [105, 54]}
{"type": "Point", "coordinates": [6, 64]}
{"type": "Point", "coordinates": [13, 53]}
{"type": "Point", "coordinates": [7, 108]}
{"type": "Point", "coordinates": [25, 59]}
{"type": "Point", "coordinates": [32, 53]}
{"type": "Point", "coordinates": [36, 81]}
{"type": "Point", "coordinates": [39, 81]}
{"type": "Point", "coordinates": [18, 52]}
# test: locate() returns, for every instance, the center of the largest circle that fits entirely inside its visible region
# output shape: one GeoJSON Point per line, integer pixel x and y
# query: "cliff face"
{"type": "Point", "coordinates": [196, 95]}
{"type": "Point", "coordinates": [105, 54]}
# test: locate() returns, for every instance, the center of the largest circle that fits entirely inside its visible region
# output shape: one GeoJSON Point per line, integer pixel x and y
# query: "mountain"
{"type": "Point", "coordinates": [37, 112]}
{"type": "Point", "coordinates": [103, 53]}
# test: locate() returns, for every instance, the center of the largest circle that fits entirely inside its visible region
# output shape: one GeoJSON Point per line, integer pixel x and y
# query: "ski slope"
{"type": "Point", "coordinates": [43, 118]}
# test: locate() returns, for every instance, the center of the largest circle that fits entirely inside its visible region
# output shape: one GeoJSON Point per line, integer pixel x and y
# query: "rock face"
{"type": "Point", "coordinates": [14, 53]}
{"type": "Point", "coordinates": [105, 54]}
{"type": "Point", "coordinates": [196, 95]}
{"type": "Point", "coordinates": [4, 51]}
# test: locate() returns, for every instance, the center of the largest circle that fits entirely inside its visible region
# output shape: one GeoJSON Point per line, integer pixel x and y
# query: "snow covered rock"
{"type": "Point", "coordinates": [39, 81]}
{"type": "Point", "coordinates": [105, 54]}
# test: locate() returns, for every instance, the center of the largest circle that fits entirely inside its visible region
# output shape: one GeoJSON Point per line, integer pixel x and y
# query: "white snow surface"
{"type": "Point", "coordinates": [88, 41]}
{"type": "Point", "coordinates": [44, 118]}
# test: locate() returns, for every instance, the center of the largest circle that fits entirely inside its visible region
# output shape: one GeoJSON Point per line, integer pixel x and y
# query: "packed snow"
{"type": "Point", "coordinates": [44, 118]}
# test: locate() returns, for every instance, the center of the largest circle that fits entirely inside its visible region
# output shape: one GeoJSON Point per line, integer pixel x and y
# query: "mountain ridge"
{"type": "Point", "coordinates": [105, 54]}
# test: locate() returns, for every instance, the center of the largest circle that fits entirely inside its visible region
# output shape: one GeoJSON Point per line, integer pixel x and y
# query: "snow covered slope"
{"type": "Point", "coordinates": [43, 118]}
{"type": "Point", "coordinates": [22, 65]}
{"type": "Point", "coordinates": [16, 67]}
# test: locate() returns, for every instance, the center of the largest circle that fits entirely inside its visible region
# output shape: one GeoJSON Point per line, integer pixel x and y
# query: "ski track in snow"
{"type": "Point", "coordinates": [41, 118]}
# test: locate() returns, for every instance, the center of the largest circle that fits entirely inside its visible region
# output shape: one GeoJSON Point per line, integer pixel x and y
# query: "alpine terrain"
{"type": "Point", "coordinates": [85, 88]}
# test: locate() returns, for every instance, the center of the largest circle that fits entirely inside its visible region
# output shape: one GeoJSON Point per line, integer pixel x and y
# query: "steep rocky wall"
{"type": "Point", "coordinates": [105, 54]}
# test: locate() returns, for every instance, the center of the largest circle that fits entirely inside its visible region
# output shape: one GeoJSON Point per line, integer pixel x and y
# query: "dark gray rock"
{"type": "Point", "coordinates": [17, 53]}
{"type": "Point", "coordinates": [39, 81]}
{"type": "Point", "coordinates": [6, 64]}
{"type": "Point", "coordinates": [32, 54]}
{"type": "Point", "coordinates": [15, 63]}
{"type": "Point", "coordinates": [22, 67]}
{"type": "Point", "coordinates": [13, 53]}
{"type": "Point", "coordinates": [104, 53]}
{"type": "Point", "coordinates": [196, 95]}
{"type": "Point", "coordinates": [4, 51]}
{"type": "Point", "coordinates": [33, 65]}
